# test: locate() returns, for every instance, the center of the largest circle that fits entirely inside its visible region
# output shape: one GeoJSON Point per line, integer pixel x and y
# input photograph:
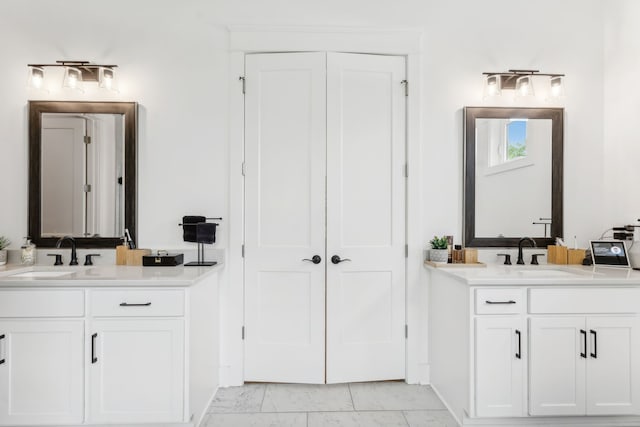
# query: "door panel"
{"type": "Point", "coordinates": [365, 217]}
{"type": "Point", "coordinates": [41, 379]}
{"type": "Point", "coordinates": [285, 217]}
{"type": "Point", "coordinates": [612, 375]}
{"type": "Point", "coordinates": [499, 373]}
{"type": "Point", "coordinates": [556, 367]}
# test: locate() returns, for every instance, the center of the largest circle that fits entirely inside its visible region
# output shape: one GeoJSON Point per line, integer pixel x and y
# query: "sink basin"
{"type": "Point", "coordinates": [546, 273]}
{"type": "Point", "coordinates": [42, 274]}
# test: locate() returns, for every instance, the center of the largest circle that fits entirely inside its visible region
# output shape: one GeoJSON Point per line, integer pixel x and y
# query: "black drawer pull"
{"type": "Point", "coordinates": [126, 304]}
{"type": "Point", "coordinates": [500, 302]}
{"type": "Point", "coordinates": [594, 353]}
{"type": "Point", "coordinates": [94, 359]}
{"type": "Point", "coordinates": [519, 353]}
{"type": "Point", "coordinates": [3, 359]}
{"type": "Point", "coordinates": [584, 343]}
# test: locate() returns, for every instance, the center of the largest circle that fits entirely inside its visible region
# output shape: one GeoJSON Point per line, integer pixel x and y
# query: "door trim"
{"type": "Point", "coordinates": [254, 39]}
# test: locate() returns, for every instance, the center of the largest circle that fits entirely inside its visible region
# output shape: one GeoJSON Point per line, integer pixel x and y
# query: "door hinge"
{"type": "Point", "coordinates": [406, 87]}
{"type": "Point", "coordinates": [87, 139]}
{"type": "Point", "coordinates": [406, 331]}
{"type": "Point", "coordinates": [87, 188]}
{"type": "Point", "coordinates": [244, 171]}
{"type": "Point", "coordinates": [244, 84]}
{"type": "Point", "coordinates": [243, 250]}
{"type": "Point", "coordinates": [243, 332]}
{"type": "Point", "coordinates": [406, 251]}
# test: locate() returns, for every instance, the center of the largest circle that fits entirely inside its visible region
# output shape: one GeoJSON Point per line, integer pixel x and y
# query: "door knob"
{"type": "Point", "coordinates": [314, 259]}
{"type": "Point", "coordinates": [336, 259]}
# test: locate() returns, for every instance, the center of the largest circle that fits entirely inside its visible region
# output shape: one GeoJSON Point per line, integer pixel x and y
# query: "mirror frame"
{"type": "Point", "coordinates": [130, 112]}
{"type": "Point", "coordinates": [556, 115]}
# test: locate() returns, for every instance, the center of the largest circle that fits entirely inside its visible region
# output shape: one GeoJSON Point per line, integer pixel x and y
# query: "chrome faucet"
{"type": "Point", "coordinates": [520, 242]}
{"type": "Point", "coordinates": [74, 255]}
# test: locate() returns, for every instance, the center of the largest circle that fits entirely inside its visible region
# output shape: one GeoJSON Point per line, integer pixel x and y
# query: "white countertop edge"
{"type": "Point", "coordinates": [107, 276]}
{"type": "Point", "coordinates": [509, 275]}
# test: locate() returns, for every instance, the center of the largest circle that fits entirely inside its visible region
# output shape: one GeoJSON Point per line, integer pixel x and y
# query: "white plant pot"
{"type": "Point", "coordinates": [3, 257]}
{"type": "Point", "coordinates": [439, 256]}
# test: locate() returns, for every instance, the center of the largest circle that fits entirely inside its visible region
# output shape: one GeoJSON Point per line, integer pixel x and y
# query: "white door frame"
{"type": "Point", "coordinates": [253, 39]}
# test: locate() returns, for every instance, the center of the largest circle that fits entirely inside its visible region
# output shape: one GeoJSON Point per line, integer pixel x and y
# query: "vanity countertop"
{"type": "Point", "coordinates": [101, 276]}
{"type": "Point", "coordinates": [547, 274]}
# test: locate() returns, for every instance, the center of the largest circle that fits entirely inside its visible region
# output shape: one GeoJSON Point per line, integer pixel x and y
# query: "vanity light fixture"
{"type": "Point", "coordinates": [521, 81]}
{"type": "Point", "coordinates": [76, 74]}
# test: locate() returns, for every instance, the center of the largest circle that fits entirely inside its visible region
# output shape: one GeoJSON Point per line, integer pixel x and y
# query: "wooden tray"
{"type": "Point", "coordinates": [458, 265]}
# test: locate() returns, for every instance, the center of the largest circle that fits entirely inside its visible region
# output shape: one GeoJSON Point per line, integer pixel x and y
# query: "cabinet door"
{"type": "Point", "coordinates": [612, 374]}
{"type": "Point", "coordinates": [500, 366]}
{"type": "Point", "coordinates": [136, 370]}
{"type": "Point", "coordinates": [41, 372]}
{"type": "Point", "coordinates": [557, 357]}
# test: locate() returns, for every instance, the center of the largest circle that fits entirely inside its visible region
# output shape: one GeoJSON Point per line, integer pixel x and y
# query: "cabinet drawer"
{"type": "Point", "coordinates": [499, 301]}
{"type": "Point", "coordinates": [42, 303]}
{"type": "Point", "coordinates": [137, 303]}
{"type": "Point", "coordinates": [596, 300]}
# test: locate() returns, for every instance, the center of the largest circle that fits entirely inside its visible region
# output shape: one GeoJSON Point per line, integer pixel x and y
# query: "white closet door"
{"type": "Point", "coordinates": [365, 217]}
{"type": "Point", "coordinates": [285, 217]}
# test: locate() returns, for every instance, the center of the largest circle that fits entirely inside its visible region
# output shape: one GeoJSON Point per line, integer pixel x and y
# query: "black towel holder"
{"type": "Point", "coordinates": [201, 262]}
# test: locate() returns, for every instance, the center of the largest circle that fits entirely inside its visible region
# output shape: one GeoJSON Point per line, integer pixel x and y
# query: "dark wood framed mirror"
{"type": "Point", "coordinates": [82, 172]}
{"type": "Point", "coordinates": [513, 175]}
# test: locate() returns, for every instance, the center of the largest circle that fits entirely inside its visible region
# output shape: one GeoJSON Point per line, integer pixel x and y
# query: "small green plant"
{"type": "Point", "coordinates": [439, 242]}
{"type": "Point", "coordinates": [4, 242]}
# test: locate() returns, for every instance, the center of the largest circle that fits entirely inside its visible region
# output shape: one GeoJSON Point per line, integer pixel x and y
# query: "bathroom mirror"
{"type": "Point", "coordinates": [512, 175]}
{"type": "Point", "coordinates": [82, 172]}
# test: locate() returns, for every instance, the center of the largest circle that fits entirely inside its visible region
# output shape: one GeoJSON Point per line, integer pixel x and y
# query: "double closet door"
{"type": "Point", "coordinates": [324, 217]}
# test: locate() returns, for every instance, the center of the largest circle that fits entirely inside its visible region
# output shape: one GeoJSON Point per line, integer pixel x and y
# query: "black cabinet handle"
{"type": "Point", "coordinates": [126, 304]}
{"type": "Point", "coordinates": [519, 353]}
{"type": "Point", "coordinates": [94, 359]}
{"type": "Point", "coordinates": [500, 302]}
{"type": "Point", "coordinates": [316, 259]}
{"type": "Point", "coordinates": [336, 259]}
{"type": "Point", "coordinates": [584, 343]}
{"type": "Point", "coordinates": [3, 359]}
{"type": "Point", "coordinates": [594, 353]}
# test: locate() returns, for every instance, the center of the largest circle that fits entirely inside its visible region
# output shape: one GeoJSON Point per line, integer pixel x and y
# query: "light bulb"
{"type": "Point", "coordinates": [36, 77]}
{"type": "Point", "coordinates": [557, 86]}
{"type": "Point", "coordinates": [492, 86]}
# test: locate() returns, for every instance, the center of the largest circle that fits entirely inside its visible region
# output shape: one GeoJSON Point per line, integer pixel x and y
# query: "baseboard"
{"type": "Point", "coordinates": [446, 404]}
{"type": "Point", "coordinates": [206, 409]}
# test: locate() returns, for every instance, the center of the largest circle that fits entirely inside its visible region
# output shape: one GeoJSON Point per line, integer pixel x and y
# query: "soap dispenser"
{"type": "Point", "coordinates": [28, 252]}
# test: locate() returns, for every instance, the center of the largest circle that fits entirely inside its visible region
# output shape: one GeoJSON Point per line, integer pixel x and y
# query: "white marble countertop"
{"type": "Point", "coordinates": [101, 276]}
{"type": "Point", "coordinates": [543, 275]}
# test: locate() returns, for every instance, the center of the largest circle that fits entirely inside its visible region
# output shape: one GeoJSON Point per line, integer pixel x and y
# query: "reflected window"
{"type": "Point", "coordinates": [516, 140]}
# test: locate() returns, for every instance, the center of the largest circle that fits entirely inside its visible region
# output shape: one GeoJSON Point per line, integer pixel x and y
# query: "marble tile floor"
{"type": "Point", "coordinates": [388, 404]}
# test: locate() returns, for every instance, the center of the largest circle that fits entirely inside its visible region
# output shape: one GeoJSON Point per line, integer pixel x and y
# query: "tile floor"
{"type": "Point", "coordinates": [388, 404]}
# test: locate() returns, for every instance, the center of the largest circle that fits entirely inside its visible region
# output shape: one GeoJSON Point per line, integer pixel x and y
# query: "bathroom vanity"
{"type": "Point", "coordinates": [508, 343]}
{"type": "Point", "coordinates": [107, 345]}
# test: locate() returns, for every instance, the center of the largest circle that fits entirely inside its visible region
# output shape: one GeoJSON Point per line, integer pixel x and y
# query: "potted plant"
{"type": "Point", "coordinates": [438, 252]}
{"type": "Point", "coordinates": [4, 243]}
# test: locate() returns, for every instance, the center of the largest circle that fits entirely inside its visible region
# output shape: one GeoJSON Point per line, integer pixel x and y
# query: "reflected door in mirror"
{"type": "Point", "coordinates": [82, 175]}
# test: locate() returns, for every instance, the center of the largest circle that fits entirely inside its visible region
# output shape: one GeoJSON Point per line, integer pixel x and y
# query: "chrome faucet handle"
{"type": "Point", "coordinates": [507, 258]}
{"type": "Point", "coordinates": [534, 258]}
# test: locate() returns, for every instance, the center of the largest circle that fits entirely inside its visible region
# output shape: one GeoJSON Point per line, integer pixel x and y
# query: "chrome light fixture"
{"type": "Point", "coordinates": [76, 74]}
{"type": "Point", "coordinates": [521, 81]}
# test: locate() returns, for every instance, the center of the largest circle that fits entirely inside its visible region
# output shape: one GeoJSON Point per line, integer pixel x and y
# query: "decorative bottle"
{"type": "Point", "coordinates": [28, 252]}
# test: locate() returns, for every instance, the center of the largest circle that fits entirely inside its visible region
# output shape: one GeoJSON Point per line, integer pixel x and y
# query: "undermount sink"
{"type": "Point", "coordinates": [42, 274]}
{"type": "Point", "coordinates": [546, 273]}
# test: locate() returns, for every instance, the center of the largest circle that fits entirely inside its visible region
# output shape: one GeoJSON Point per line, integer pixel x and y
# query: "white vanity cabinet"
{"type": "Point", "coordinates": [500, 352]}
{"type": "Point", "coordinates": [111, 353]}
{"type": "Point", "coordinates": [136, 368]}
{"type": "Point", "coordinates": [586, 364]}
{"type": "Point", "coordinates": [41, 357]}
{"type": "Point", "coordinates": [509, 352]}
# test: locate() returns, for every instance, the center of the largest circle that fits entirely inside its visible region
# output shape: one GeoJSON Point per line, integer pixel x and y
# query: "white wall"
{"type": "Point", "coordinates": [621, 113]}
{"type": "Point", "coordinates": [173, 61]}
